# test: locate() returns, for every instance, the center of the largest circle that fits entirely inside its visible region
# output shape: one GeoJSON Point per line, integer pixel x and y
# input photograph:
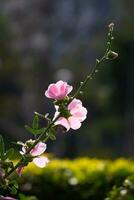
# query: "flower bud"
{"type": "Point", "coordinates": [112, 55]}
{"type": "Point", "coordinates": [111, 26]}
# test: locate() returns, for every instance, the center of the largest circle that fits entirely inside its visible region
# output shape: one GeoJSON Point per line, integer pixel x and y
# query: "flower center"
{"type": "Point", "coordinates": [64, 112]}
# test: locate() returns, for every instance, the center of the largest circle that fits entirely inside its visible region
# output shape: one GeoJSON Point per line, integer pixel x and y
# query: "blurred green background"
{"type": "Point", "coordinates": [44, 41]}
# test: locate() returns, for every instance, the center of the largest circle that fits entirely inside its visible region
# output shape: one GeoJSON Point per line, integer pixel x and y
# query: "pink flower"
{"type": "Point", "coordinates": [39, 161]}
{"type": "Point", "coordinates": [7, 198]}
{"type": "Point", "coordinates": [58, 90]}
{"type": "Point", "coordinates": [77, 115]}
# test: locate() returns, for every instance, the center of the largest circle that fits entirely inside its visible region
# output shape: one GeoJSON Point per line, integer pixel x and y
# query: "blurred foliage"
{"type": "Point", "coordinates": [80, 179]}
{"type": "Point", "coordinates": [23, 197]}
{"type": "Point", "coordinates": [124, 192]}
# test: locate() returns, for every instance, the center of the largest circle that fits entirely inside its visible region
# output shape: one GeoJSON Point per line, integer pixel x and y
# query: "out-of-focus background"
{"type": "Point", "coordinates": [44, 41]}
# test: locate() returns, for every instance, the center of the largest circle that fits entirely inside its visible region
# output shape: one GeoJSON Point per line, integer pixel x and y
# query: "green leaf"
{"type": "Point", "coordinates": [52, 137]}
{"type": "Point", "coordinates": [2, 147]}
{"type": "Point", "coordinates": [14, 183]}
{"type": "Point", "coordinates": [29, 129]}
{"type": "Point", "coordinates": [35, 131]}
{"type": "Point", "coordinates": [40, 131]}
{"type": "Point", "coordinates": [9, 154]}
{"type": "Point", "coordinates": [35, 122]}
{"type": "Point", "coordinates": [23, 197]}
{"type": "Point", "coordinates": [13, 190]}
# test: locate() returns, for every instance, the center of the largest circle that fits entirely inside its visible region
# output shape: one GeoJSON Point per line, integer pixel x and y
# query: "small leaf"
{"type": "Point", "coordinates": [40, 131]}
{"type": "Point", "coordinates": [14, 183]}
{"type": "Point", "coordinates": [34, 131]}
{"type": "Point", "coordinates": [112, 55]}
{"type": "Point", "coordinates": [97, 61]}
{"type": "Point", "coordinates": [2, 147]}
{"type": "Point", "coordinates": [35, 122]}
{"type": "Point", "coordinates": [46, 115]}
{"type": "Point", "coordinates": [52, 137]}
{"type": "Point", "coordinates": [23, 197]}
{"type": "Point", "coordinates": [19, 143]}
{"type": "Point", "coordinates": [13, 190]}
{"type": "Point", "coordinates": [29, 129]}
{"type": "Point", "coordinates": [9, 154]}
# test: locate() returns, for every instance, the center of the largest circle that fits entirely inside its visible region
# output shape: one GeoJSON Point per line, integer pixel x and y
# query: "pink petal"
{"type": "Point", "coordinates": [64, 122]}
{"type": "Point", "coordinates": [7, 198]}
{"type": "Point", "coordinates": [75, 103]}
{"type": "Point", "coordinates": [41, 161]}
{"type": "Point", "coordinates": [59, 83]}
{"type": "Point", "coordinates": [80, 113]}
{"type": "Point", "coordinates": [62, 89]}
{"type": "Point", "coordinates": [77, 110]}
{"type": "Point", "coordinates": [69, 88]}
{"type": "Point", "coordinates": [74, 123]}
{"type": "Point", "coordinates": [65, 89]}
{"type": "Point", "coordinates": [38, 149]}
{"type": "Point", "coordinates": [52, 91]}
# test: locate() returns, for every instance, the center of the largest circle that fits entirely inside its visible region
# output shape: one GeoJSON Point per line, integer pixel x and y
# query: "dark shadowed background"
{"type": "Point", "coordinates": [47, 40]}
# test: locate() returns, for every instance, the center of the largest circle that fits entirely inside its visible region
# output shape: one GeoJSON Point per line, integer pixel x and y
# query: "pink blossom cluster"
{"type": "Point", "coordinates": [77, 113]}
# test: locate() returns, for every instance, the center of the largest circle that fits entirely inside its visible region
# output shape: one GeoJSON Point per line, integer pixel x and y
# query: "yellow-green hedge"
{"type": "Point", "coordinates": [124, 192]}
{"type": "Point", "coordinates": [79, 179]}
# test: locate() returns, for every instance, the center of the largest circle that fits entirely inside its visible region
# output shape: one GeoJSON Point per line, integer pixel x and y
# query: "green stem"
{"type": "Point", "coordinates": [89, 77]}
{"type": "Point", "coordinates": [98, 62]}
